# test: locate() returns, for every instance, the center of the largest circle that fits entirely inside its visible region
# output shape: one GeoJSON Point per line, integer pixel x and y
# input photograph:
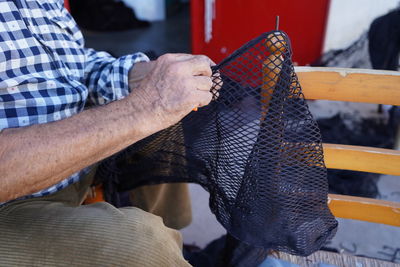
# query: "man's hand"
{"type": "Point", "coordinates": [171, 87]}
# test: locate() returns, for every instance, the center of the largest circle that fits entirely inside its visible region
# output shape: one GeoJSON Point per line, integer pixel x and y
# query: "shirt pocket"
{"type": "Point", "coordinates": [54, 29]}
{"type": "Point", "coordinates": [58, 34]}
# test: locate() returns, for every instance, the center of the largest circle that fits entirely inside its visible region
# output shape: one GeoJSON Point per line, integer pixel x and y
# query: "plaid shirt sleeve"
{"type": "Point", "coordinates": [47, 75]}
{"type": "Point", "coordinates": [107, 77]}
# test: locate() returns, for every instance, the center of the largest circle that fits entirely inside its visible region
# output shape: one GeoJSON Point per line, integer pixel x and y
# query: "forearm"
{"type": "Point", "coordinates": [36, 157]}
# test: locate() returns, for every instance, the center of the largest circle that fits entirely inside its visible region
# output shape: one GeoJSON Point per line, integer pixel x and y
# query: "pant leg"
{"type": "Point", "coordinates": [58, 232]}
{"type": "Point", "coordinates": [169, 201]}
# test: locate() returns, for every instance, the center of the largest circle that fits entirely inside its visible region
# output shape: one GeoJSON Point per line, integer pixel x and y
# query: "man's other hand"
{"type": "Point", "coordinates": [172, 86]}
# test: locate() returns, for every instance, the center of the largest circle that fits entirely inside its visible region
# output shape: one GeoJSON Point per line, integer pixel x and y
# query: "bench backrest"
{"type": "Point", "coordinates": [365, 86]}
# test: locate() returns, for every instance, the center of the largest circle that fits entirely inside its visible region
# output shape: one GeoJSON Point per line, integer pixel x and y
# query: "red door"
{"type": "Point", "coordinates": [238, 21]}
{"type": "Point", "coordinates": [66, 4]}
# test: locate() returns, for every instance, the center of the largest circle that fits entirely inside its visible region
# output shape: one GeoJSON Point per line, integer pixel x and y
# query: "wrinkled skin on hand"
{"type": "Point", "coordinates": [172, 86]}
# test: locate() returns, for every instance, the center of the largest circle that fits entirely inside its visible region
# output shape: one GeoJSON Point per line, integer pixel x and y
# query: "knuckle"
{"type": "Point", "coordinates": [206, 99]}
{"type": "Point", "coordinates": [210, 97]}
{"type": "Point", "coordinates": [162, 58]}
{"type": "Point", "coordinates": [203, 58]}
{"type": "Point", "coordinates": [174, 68]}
{"type": "Point", "coordinates": [167, 56]}
{"type": "Point", "coordinates": [210, 83]}
{"type": "Point", "coordinates": [206, 85]}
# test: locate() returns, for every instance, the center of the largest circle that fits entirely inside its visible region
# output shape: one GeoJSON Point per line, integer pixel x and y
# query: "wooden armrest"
{"type": "Point", "coordinates": [351, 85]}
{"type": "Point", "coordinates": [360, 158]}
{"type": "Point", "coordinates": [365, 209]}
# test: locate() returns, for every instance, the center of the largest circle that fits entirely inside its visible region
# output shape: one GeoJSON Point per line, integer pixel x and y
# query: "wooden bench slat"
{"type": "Point", "coordinates": [360, 158]}
{"type": "Point", "coordinates": [351, 85]}
{"type": "Point", "coordinates": [365, 209]}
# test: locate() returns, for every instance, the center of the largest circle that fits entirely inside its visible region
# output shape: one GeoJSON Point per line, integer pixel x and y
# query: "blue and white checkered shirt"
{"type": "Point", "coordinates": [46, 74]}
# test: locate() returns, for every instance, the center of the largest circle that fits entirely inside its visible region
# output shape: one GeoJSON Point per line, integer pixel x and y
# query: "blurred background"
{"type": "Point", "coordinates": [337, 33]}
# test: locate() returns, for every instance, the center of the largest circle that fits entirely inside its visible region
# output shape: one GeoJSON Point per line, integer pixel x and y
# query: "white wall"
{"type": "Point", "coordinates": [348, 19]}
{"type": "Point", "coordinates": [151, 10]}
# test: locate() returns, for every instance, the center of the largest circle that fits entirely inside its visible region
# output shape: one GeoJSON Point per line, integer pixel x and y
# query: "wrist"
{"type": "Point", "coordinates": [145, 114]}
{"type": "Point", "coordinates": [138, 72]}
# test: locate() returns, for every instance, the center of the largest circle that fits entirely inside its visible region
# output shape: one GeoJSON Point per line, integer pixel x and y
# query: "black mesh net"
{"type": "Point", "coordinates": [255, 148]}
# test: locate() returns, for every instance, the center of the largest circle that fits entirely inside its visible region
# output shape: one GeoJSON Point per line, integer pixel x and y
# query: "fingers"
{"type": "Point", "coordinates": [188, 79]}
{"type": "Point", "coordinates": [201, 66]}
{"type": "Point", "coordinates": [197, 65]}
{"type": "Point", "coordinates": [195, 59]}
{"type": "Point", "coordinates": [212, 63]}
{"type": "Point", "coordinates": [217, 81]}
{"type": "Point", "coordinates": [203, 98]}
{"type": "Point", "coordinates": [177, 56]}
{"type": "Point", "coordinates": [203, 83]}
{"type": "Point", "coordinates": [200, 87]}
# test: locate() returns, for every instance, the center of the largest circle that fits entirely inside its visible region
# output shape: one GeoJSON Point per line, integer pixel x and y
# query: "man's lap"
{"type": "Point", "coordinates": [59, 232]}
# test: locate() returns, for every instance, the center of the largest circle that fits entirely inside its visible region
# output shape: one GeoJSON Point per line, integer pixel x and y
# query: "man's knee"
{"type": "Point", "coordinates": [139, 238]}
{"type": "Point", "coordinates": [91, 235]}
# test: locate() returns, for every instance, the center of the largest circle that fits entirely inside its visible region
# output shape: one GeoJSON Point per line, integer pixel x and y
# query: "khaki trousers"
{"type": "Point", "coordinates": [57, 231]}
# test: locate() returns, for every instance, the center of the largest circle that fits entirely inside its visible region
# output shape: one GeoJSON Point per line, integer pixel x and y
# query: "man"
{"type": "Point", "coordinates": [48, 140]}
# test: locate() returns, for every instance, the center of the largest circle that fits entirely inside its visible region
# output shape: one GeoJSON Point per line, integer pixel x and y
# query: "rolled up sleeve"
{"type": "Point", "coordinates": [107, 77]}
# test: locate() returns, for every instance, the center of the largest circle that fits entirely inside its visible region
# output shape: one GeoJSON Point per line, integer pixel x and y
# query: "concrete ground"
{"type": "Point", "coordinates": [170, 36]}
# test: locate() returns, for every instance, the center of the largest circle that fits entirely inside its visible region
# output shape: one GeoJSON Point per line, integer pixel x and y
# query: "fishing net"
{"type": "Point", "coordinates": [255, 148]}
